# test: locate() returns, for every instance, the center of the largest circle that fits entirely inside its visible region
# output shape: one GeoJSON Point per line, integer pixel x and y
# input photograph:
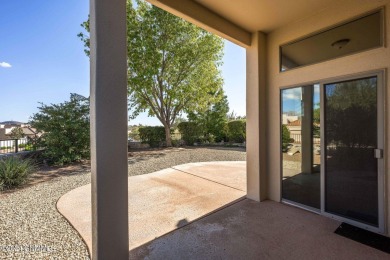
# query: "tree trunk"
{"type": "Point", "coordinates": [168, 136]}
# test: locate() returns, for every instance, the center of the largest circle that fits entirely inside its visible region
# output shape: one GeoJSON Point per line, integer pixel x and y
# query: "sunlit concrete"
{"type": "Point", "coordinates": [232, 174]}
{"type": "Point", "coordinates": [162, 201]}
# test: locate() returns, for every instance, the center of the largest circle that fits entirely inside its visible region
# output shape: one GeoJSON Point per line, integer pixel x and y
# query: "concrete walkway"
{"type": "Point", "coordinates": [163, 201]}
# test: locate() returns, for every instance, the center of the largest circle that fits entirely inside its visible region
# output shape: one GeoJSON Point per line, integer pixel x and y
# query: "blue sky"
{"type": "Point", "coordinates": [38, 39]}
{"type": "Point", "coordinates": [292, 99]}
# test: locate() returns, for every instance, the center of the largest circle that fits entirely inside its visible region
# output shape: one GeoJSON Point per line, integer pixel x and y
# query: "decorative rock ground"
{"type": "Point", "coordinates": [31, 227]}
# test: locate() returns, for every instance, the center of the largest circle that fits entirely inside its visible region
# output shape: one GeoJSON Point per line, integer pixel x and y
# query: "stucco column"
{"type": "Point", "coordinates": [256, 121]}
{"type": "Point", "coordinates": [307, 130]}
{"type": "Point", "coordinates": [109, 129]}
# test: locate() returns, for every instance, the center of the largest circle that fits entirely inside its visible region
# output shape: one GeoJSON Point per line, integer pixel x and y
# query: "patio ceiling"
{"type": "Point", "coordinates": [265, 15]}
{"type": "Point", "coordinates": [237, 20]}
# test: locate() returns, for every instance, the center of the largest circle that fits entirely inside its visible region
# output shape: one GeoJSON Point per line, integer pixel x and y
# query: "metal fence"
{"type": "Point", "coordinates": [298, 139]}
{"type": "Point", "coordinates": [14, 145]}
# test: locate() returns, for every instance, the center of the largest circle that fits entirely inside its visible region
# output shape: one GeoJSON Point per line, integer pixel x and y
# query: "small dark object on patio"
{"type": "Point", "coordinates": [364, 236]}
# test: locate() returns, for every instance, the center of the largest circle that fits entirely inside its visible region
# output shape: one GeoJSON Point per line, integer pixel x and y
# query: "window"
{"type": "Point", "coordinates": [351, 37]}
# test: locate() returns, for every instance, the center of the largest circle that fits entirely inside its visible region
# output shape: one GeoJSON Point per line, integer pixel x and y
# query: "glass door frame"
{"type": "Point", "coordinates": [380, 140]}
{"type": "Point", "coordinates": [380, 74]}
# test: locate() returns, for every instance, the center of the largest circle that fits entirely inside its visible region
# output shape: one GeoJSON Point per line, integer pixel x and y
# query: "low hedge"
{"type": "Point", "coordinates": [190, 132]}
{"type": "Point", "coordinates": [237, 131]}
{"type": "Point", "coordinates": [152, 135]}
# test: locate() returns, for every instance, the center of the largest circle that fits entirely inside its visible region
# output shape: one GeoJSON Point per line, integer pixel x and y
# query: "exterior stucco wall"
{"type": "Point", "coordinates": [375, 59]}
{"type": "Point", "coordinates": [256, 107]}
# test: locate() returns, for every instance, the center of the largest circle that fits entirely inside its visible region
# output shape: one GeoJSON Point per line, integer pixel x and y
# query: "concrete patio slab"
{"type": "Point", "coordinates": [160, 202]}
{"type": "Point", "coordinates": [252, 230]}
{"type": "Point", "coordinates": [232, 174]}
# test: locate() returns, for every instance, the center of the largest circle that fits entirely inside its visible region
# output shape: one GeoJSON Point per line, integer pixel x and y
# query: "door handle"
{"type": "Point", "coordinates": [378, 153]}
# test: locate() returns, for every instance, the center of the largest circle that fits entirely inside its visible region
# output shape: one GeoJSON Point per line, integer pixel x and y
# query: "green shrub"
{"type": "Point", "coordinates": [286, 139]}
{"type": "Point", "coordinates": [65, 130]}
{"type": "Point", "coordinates": [152, 135]}
{"type": "Point", "coordinates": [190, 132]}
{"type": "Point", "coordinates": [29, 147]}
{"type": "Point", "coordinates": [15, 171]}
{"type": "Point", "coordinates": [286, 135]}
{"type": "Point", "coordinates": [237, 131]}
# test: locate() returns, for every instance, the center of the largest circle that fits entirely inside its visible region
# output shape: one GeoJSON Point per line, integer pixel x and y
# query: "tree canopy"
{"type": "Point", "coordinates": [173, 66]}
{"type": "Point", "coordinates": [213, 120]}
{"type": "Point", "coordinates": [349, 106]}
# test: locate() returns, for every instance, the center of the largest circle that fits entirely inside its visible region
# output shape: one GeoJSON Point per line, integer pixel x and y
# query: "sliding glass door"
{"type": "Point", "coordinates": [301, 146]}
{"type": "Point", "coordinates": [332, 149]}
{"type": "Point", "coordinates": [351, 140]}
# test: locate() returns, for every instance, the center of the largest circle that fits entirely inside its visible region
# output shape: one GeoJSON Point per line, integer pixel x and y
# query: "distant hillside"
{"type": "Point", "coordinates": [11, 123]}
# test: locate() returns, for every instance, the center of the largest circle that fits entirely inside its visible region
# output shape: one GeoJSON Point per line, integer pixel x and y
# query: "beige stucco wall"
{"type": "Point", "coordinates": [362, 62]}
{"type": "Point", "coordinates": [256, 107]}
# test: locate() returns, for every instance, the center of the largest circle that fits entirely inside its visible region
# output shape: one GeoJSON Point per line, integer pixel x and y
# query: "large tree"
{"type": "Point", "coordinates": [173, 66]}
{"type": "Point", "coordinates": [213, 120]}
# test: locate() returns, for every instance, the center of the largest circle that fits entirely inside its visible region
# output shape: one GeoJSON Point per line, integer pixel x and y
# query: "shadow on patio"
{"type": "Point", "coordinates": [252, 230]}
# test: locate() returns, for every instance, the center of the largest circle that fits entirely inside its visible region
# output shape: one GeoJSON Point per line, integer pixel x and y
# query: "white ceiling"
{"type": "Point", "coordinates": [265, 15]}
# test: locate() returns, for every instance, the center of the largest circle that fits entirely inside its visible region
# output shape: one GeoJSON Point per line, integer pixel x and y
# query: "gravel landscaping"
{"type": "Point", "coordinates": [31, 227]}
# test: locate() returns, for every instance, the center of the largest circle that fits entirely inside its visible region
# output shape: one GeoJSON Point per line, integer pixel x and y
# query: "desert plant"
{"type": "Point", "coordinates": [15, 171]}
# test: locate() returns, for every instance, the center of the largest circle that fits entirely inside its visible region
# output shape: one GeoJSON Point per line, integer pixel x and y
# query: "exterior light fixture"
{"type": "Point", "coordinates": [340, 43]}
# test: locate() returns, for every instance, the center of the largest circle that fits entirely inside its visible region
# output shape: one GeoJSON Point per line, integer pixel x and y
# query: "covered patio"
{"type": "Point", "coordinates": [251, 230]}
{"type": "Point", "coordinates": [199, 211]}
{"type": "Point", "coordinates": [262, 28]}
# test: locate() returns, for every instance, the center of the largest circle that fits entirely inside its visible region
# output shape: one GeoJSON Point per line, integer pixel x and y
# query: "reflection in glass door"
{"type": "Point", "coordinates": [351, 137]}
{"type": "Point", "coordinates": [300, 125]}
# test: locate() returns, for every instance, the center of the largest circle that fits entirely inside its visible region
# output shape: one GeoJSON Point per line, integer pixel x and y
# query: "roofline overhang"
{"type": "Point", "coordinates": [203, 17]}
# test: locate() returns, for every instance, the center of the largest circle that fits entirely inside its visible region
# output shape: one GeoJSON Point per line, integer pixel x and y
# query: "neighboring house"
{"type": "Point", "coordinates": [7, 127]}
{"type": "Point", "coordinates": [336, 47]}
{"type": "Point", "coordinates": [30, 132]}
{"type": "Point", "coordinates": [2, 134]}
{"type": "Point", "coordinates": [294, 127]}
{"type": "Point", "coordinates": [286, 119]}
